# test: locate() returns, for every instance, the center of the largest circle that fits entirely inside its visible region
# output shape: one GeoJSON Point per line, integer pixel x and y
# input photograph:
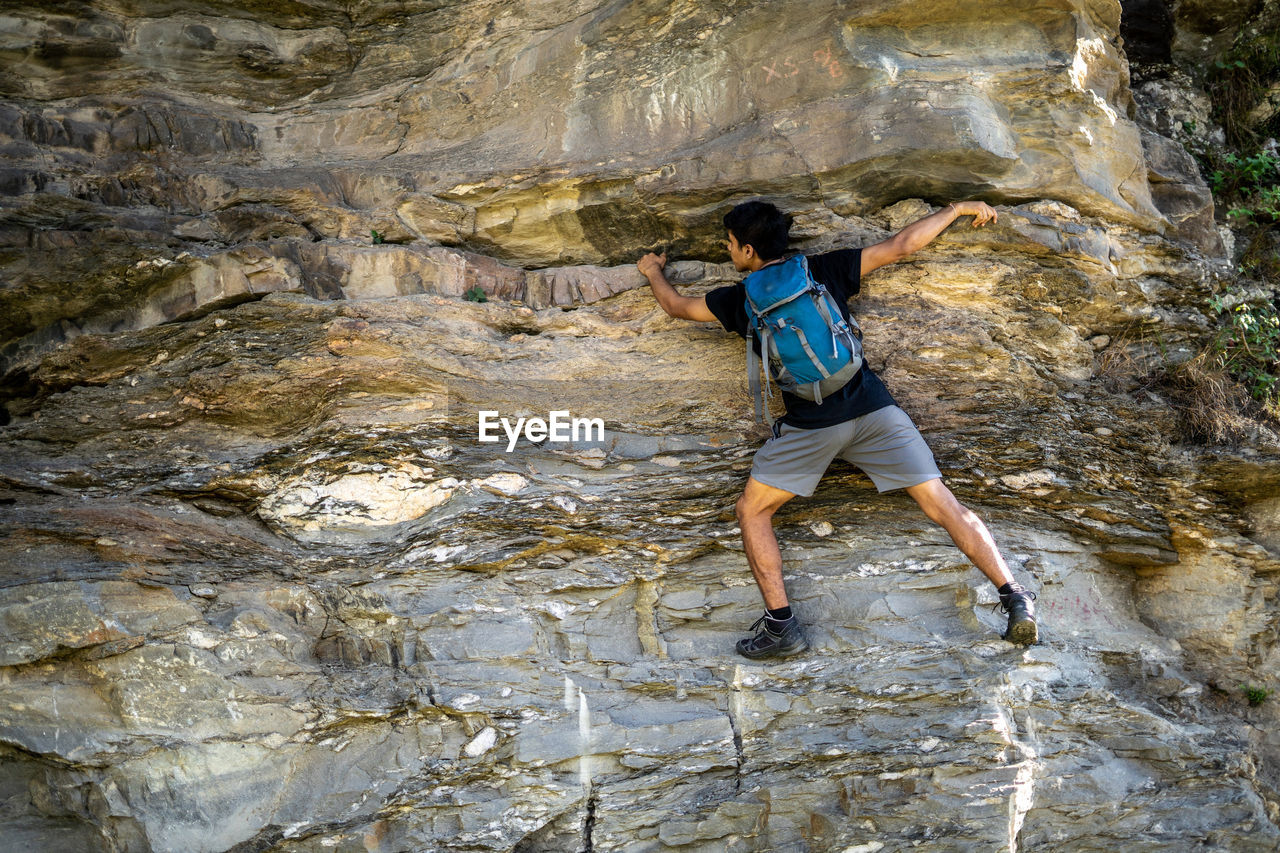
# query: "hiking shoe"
{"type": "Point", "coordinates": [1017, 602]}
{"type": "Point", "coordinates": [766, 644]}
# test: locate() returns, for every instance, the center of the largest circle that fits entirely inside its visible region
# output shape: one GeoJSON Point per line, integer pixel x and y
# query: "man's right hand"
{"type": "Point", "coordinates": [652, 264]}
{"type": "Point", "coordinates": [683, 307]}
{"type": "Point", "coordinates": [981, 212]}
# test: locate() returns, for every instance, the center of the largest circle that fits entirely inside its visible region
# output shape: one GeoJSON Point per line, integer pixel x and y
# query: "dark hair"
{"type": "Point", "coordinates": [760, 225]}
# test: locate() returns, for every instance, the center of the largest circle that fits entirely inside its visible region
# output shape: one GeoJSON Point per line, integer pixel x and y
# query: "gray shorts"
{"type": "Point", "coordinates": [885, 444]}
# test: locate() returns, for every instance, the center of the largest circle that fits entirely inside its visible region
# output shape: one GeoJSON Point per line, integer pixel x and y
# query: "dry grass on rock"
{"type": "Point", "coordinates": [1209, 406]}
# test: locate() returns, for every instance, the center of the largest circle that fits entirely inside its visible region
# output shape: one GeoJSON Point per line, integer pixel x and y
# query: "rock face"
{"type": "Point", "coordinates": [139, 146]}
{"type": "Point", "coordinates": [271, 582]}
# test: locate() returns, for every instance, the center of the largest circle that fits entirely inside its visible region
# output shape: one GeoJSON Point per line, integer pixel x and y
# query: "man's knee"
{"type": "Point", "coordinates": [759, 501]}
{"type": "Point", "coordinates": [746, 509]}
{"type": "Point", "coordinates": [937, 501]}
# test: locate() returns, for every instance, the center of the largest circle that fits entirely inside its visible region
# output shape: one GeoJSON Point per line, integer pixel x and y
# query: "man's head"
{"type": "Point", "coordinates": [758, 233]}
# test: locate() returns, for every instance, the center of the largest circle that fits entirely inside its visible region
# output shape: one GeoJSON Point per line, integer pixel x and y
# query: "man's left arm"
{"type": "Point", "coordinates": [921, 233]}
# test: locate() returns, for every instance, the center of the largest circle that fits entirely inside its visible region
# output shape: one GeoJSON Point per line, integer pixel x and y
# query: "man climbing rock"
{"type": "Point", "coordinates": [858, 421]}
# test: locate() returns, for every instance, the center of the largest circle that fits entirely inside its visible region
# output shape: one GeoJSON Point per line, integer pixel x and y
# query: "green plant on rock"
{"type": "Point", "coordinates": [1251, 183]}
{"type": "Point", "coordinates": [1242, 360]}
{"type": "Point", "coordinates": [476, 294]}
{"type": "Point", "coordinates": [1242, 86]}
{"type": "Point", "coordinates": [1255, 694]}
{"type": "Point", "coordinates": [1248, 347]}
{"type": "Point", "coordinates": [1237, 172]}
{"type": "Point", "coordinates": [377, 237]}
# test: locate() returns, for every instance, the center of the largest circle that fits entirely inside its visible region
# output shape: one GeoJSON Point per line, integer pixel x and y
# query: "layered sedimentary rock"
{"type": "Point", "coordinates": [142, 141]}
{"type": "Point", "coordinates": [267, 589]}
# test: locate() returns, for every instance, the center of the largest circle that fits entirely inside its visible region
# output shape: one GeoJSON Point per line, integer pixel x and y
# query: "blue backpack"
{"type": "Point", "coordinates": [811, 350]}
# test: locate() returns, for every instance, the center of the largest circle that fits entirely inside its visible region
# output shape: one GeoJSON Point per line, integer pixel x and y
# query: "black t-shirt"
{"type": "Point", "coordinates": [840, 273]}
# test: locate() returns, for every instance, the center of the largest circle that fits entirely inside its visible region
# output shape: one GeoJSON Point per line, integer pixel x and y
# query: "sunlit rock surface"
{"type": "Point", "coordinates": [264, 588]}
{"type": "Point", "coordinates": [142, 142]}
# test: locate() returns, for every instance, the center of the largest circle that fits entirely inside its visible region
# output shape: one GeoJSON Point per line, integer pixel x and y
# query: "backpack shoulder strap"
{"type": "Point", "coordinates": [753, 373]}
{"type": "Point", "coordinates": [758, 364]}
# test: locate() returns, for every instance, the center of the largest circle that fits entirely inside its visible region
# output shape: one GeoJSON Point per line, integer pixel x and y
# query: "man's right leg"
{"type": "Point", "coordinates": [793, 461]}
{"type": "Point", "coordinates": [755, 509]}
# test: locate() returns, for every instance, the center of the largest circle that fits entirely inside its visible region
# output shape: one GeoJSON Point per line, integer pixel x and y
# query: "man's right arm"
{"type": "Point", "coordinates": [670, 300]}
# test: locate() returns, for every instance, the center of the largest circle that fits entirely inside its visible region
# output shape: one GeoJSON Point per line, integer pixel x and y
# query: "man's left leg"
{"type": "Point", "coordinates": [975, 541]}
{"type": "Point", "coordinates": [967, 530]}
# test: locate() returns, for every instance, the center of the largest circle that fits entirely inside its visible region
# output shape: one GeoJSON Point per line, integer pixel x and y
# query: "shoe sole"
{"type": "Point", "coordinates": [1023, 633]}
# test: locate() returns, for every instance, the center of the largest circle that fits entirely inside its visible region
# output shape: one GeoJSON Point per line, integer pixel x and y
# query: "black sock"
{"type": "Point", "coordinates": [781, 614]}
{"type": "Point", "coordinates": [1011, 588]}
{"type": "Point", "coordinates": [776, 620]}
